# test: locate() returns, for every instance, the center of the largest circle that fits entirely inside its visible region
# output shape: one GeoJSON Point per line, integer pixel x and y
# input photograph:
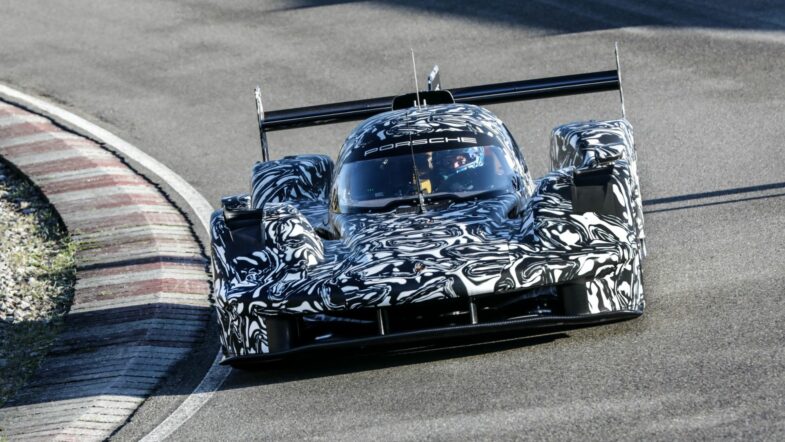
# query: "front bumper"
{"type": "Point", "coordinates": [531, 326]}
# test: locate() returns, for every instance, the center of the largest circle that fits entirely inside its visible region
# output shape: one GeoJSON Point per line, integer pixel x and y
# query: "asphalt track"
{"type": "Point", "coordinates": [704, 86]}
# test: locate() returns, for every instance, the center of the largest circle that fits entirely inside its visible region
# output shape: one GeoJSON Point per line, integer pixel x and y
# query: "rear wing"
{"type": "Point", "coordinates": [479, 95]}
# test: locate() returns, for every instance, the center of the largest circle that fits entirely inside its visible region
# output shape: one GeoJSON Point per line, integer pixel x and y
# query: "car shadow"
{"type": "Point", "coordinates": [564, 16]}
{"type": "Point", "coordinates": [689, 198]}
{"type": "Point", "coordinates": [324, 364]}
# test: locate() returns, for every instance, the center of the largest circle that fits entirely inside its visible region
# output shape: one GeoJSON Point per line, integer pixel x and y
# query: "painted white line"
{"type": "Point", "coordinates": [203, 392]}
{"type": "Point", "coordinates": [193, 198]}
{"type": "Point", "coordinates": [217, 374]}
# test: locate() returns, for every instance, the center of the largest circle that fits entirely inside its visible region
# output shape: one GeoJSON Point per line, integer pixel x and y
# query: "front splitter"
{"type": "Point", "coordinates": [531, 326]}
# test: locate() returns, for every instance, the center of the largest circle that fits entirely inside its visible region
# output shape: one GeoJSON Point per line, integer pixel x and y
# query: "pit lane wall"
{"type": "Point", "coordinates": [141, 293]}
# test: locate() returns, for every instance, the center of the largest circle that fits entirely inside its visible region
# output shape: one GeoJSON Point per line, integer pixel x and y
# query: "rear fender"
{"type": "Point", "coordinates": [591, 144]}
{"type": "Point", "coordinates": [600, 150]}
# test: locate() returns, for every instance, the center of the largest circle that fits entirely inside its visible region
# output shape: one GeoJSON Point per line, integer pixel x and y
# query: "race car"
{"type": "Point", "coordinates": [427, 225]}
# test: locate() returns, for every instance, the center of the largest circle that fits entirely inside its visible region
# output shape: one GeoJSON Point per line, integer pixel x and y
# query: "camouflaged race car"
{"type": "Point", "coordinates": [428, 224]}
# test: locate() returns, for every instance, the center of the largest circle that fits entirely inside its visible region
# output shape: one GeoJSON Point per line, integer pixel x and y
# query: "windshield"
{"type": "Point", "coordinates": [383, 183]}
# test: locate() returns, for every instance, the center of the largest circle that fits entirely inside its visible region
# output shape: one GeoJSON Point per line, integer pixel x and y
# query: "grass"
{"type": "Point", "coordinates": [41, 257]}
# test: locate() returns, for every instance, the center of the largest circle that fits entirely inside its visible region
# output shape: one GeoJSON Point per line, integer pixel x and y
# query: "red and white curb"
{"type": "Point", "coordinates": [141, 293]}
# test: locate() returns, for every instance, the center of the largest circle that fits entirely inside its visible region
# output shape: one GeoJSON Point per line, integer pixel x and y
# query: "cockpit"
{"type": "Point", "coordinates": [399, 176]}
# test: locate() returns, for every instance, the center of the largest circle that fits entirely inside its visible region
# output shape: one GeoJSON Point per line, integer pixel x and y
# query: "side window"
{"type": "Point", "coordinates": [517, 150]}
{"type": "Point", "coordinates": [334, 191]}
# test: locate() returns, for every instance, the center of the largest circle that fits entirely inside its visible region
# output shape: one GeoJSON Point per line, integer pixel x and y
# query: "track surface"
{"type": "Point", "coordinates": [704, 89]}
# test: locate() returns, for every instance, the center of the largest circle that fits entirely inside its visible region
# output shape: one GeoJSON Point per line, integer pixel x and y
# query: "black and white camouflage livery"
{"type": "Point", "coordinates": [568, 245]}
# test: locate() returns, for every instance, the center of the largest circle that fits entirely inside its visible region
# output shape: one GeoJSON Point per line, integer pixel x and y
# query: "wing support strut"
{"type": "Point", "coordinates": [618, 74]}
{"type": "Point", "coordinates": [262, 130]}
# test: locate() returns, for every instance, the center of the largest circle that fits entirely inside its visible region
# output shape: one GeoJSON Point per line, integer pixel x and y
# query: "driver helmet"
{"type": "Point", "coordinates": [454, 161]}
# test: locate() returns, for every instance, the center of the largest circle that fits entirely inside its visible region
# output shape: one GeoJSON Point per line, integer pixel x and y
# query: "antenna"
{"type": "Point", "coordinates": [618, 74]}
{"type": "Point", "coordinates": [416, 86]}
{"type": "Point", "coordinates": [420, 197]}
{"type": "Point", "coordinates": [260, 116]}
